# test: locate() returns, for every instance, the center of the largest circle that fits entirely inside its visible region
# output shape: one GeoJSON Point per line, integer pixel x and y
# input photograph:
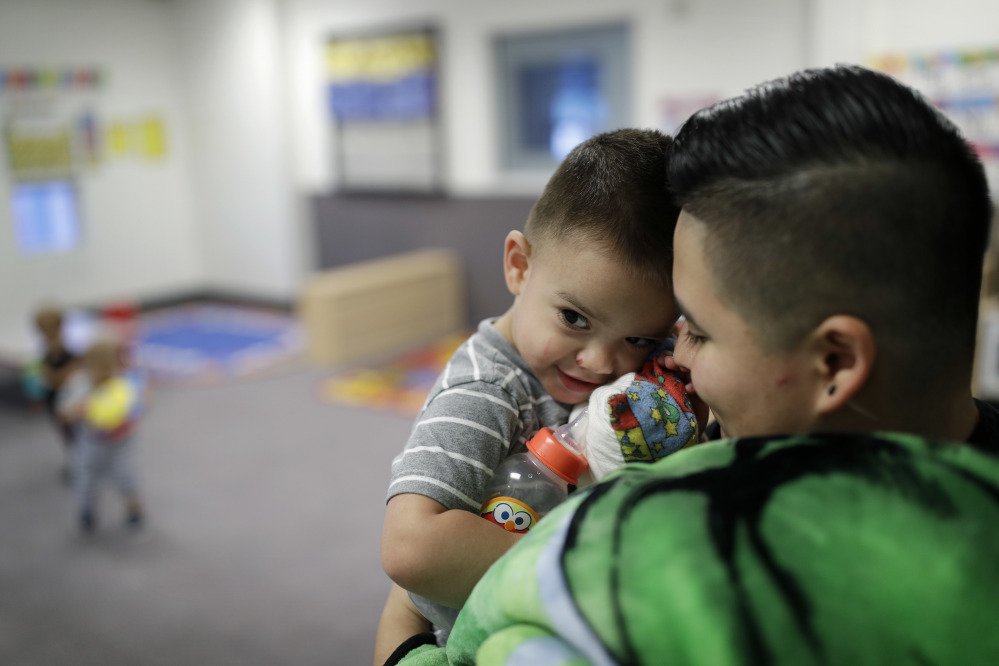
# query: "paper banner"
{"type": "Point", "coordinates": [26, 79]}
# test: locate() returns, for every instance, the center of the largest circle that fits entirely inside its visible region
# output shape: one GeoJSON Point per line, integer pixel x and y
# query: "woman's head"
{"type": "Point", "coordinates": [839, 223]}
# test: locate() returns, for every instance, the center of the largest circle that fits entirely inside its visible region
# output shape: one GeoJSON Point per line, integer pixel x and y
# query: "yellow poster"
{"type": "Point", "coordinates": [34, 153]}
{"type": "Point", "coordinates": [153, 143]}
{"type": "Point", "coordinates": [144, 138]}
{"type": "Point", "coordinates": [118, 140]}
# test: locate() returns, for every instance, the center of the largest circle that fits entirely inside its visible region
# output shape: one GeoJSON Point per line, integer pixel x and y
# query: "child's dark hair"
{"type": "Point", "coordinates": [48, 317]}
{"type": "Point", "coordinates": [105, 356]}
{"type": "Point", "coordinates": [840, 190]}
{"type": "Point", "coordinates": [611, 190]}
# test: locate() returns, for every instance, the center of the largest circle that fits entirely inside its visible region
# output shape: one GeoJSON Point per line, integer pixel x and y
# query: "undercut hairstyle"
{"type": "Point", "coordinates": [611, 191]}
{"type": "Point", "coordinates": [841, 191]}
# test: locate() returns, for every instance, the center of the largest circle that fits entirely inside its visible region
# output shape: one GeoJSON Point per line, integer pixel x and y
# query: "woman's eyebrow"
{"type": "Point", "coordinates": [685, 315]}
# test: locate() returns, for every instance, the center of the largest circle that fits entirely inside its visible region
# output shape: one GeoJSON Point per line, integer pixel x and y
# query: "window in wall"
{"type": "Point", "coordinates": [558, 88]}
{"type": "Point", "coordinates": [46, 216]}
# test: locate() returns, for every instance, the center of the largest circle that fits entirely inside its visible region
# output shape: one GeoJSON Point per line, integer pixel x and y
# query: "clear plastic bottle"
{"type": "Point", "coordinates": [528, 485]}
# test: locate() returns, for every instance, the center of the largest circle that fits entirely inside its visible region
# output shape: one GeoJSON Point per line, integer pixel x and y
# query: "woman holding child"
{"type": "Point", "coordinates": [828, 260]}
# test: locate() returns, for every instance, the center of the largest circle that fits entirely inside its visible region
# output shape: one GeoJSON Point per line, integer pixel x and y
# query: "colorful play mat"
{"type": "Point", "coordinates": [209, 342]}
{"type": "Point", "coordinates": [400, 384]}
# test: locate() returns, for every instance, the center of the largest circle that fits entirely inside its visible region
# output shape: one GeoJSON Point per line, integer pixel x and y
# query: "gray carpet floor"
{"type": "Point", "coordinates": [264, 514]}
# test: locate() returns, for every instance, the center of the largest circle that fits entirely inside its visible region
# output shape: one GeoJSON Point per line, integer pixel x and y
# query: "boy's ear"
{"type": "Point", "coordinates": [516, 261]}
{"type": "Point", "coordinates": [844, 353]}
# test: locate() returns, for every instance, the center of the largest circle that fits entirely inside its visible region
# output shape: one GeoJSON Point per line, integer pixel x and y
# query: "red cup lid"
{"type": "Point", "coordinates": [557, 457]}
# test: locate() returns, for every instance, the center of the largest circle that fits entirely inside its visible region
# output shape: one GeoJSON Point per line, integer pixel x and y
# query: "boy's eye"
{"type": "Point", "coordinates": [573, 319]}
{"type": "Point", "coordinates": [641, 343]}
{"type": "Point", "coordinates": [692, 338]}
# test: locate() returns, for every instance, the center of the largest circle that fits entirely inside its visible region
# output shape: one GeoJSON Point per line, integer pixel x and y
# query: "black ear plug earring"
{"type": "Point", "coordinates": [832, 389]}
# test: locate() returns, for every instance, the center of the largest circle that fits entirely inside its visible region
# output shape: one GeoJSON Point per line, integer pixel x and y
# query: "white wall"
{"type": "Point", "coordinates": [250, 229]}
{"type": "Point", "coordinates": [137, 215]}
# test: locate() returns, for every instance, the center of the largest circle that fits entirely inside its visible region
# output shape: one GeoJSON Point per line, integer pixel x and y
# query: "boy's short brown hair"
{"type": "Point", "coordinates": [611, 190]}
{"type": "Point", "coordinates": [103, 358]}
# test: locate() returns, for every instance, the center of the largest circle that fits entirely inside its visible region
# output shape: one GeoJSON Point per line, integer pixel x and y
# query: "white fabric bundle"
{"type": "Point", "coordinates": [595, 435]}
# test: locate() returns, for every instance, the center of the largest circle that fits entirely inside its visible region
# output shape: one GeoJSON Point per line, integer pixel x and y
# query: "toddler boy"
{"type": "Point", "coordinates": [105, 414]}
{"type": "Point", "coordinates": [590, 277]}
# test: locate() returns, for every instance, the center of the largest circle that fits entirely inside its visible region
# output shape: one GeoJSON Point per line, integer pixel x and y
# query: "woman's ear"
{"type": "Point", "coordinates": [844, 356]}
{"type": "Point", "coordinates": [516, 261]}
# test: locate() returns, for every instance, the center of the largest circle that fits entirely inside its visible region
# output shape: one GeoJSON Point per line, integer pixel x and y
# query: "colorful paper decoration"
{"type": "Point", "coordinates": [25, 79]}
{"type": "Point", "coordinates": [964, 84]}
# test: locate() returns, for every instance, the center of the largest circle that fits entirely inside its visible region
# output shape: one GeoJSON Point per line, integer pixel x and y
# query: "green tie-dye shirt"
{"type": "Point", "coordinates": [806, 550]}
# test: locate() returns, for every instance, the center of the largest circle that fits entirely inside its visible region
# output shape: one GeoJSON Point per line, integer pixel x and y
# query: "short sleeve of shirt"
{"type": "Point", "coordinates": [483, 407]}
{"type": "Point", "coordinates": [461, 436]}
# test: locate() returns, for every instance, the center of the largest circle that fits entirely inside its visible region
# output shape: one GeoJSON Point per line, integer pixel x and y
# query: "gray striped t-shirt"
{"type": "Point", "coordinates": [483, 408]}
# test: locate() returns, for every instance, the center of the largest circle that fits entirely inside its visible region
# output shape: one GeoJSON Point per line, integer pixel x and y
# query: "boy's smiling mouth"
{"type": "Point", "coordinates": [574, 385]}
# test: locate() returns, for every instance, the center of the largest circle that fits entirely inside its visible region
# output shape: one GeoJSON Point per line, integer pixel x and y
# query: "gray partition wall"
{"type": "Point", "coordinates": [356, 227]}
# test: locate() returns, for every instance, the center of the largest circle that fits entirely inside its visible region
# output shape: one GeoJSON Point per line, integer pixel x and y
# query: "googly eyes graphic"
{"type": "Point", "coordinates": [509, 514]}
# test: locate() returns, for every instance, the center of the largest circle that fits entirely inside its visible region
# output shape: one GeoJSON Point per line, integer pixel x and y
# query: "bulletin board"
{"type": "Point", "coordinates": [382, 91]}
{"type": "Point", "coordinates": [52, 125]}
{"type": "Point", "coordinates": [52, 136]}
{"type": "Point", "coordinates": [964, 84]}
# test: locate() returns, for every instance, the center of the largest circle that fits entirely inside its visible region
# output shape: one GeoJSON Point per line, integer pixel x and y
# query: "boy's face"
{"type": "Point", "coordinates": [578, 319]}
{"type": "Point", "coordinates": [750, 390]}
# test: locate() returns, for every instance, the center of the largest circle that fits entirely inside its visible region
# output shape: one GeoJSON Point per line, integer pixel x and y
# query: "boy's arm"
{"type": "Point", "coordinates": [436, 552]}
{"type": "Point", "coordinates": [399, 621]}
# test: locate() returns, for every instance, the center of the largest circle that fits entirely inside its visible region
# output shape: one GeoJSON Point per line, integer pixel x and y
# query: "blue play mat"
{"type": "Point", "coordinates": [210, 342]}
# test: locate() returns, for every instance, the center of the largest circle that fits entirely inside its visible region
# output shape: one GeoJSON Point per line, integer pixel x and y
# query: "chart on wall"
{"type": "Point", "coordinates": [382, 91]}
{"type": "Point", "coordinates": [964, 84]}
{"type": "Point", "coordinates": [53, 122]}
{"type": "Point", "coordinates": [55, 134]}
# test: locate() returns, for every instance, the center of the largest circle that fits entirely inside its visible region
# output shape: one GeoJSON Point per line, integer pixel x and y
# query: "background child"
{"type": "Point", "coordinates": [55, 366]}
{"type": "Point", "coordinates": [105, 415]}
{"type": "Point", "coordinates": [590, 276]}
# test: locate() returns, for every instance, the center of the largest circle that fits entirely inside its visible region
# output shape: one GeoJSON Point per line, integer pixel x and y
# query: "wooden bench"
{"type": "Point", "coordinates": [366, 309]}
